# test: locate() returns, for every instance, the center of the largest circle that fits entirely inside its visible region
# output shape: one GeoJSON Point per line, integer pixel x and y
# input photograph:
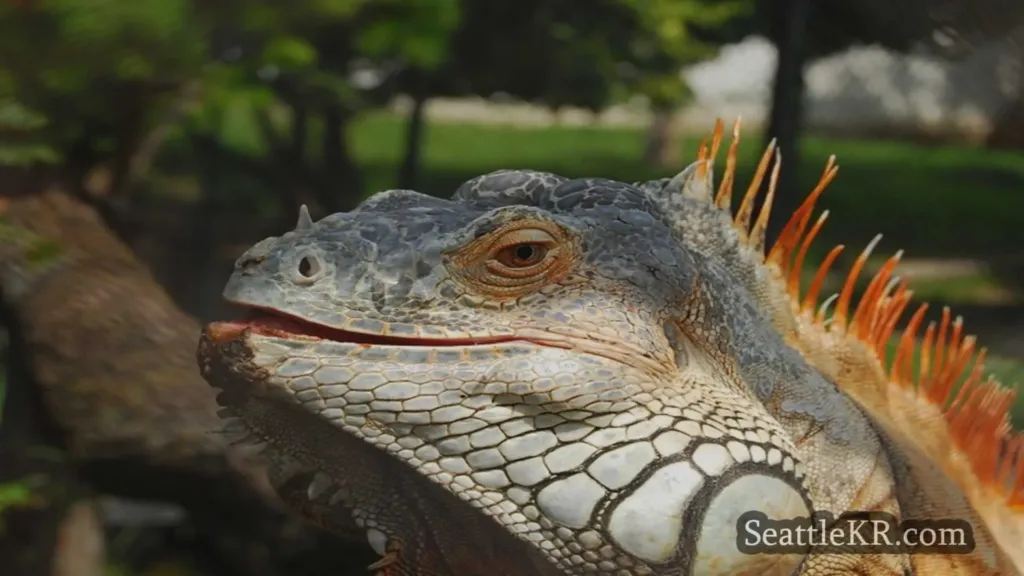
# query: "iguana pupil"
{"type": "Point", "coordinates": [525, 252]}
{"type": "Point", "coordinates": [522, 255]}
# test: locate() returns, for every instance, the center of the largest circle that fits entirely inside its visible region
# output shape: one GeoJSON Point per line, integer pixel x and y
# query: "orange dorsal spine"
{"type": "Point", "coordinates": [946, 389]}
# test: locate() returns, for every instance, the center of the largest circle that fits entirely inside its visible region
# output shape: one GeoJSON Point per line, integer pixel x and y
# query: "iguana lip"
{"type": "Point", "coordinates": [279, 325]}
{"type": "Point", "coordinates": [275, 324]}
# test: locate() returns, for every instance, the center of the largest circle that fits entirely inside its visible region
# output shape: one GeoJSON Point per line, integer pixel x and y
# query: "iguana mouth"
{"type": "Point", "coordinates": [276, 324]}
{"type": "Point", "coordinates": [280, 325]}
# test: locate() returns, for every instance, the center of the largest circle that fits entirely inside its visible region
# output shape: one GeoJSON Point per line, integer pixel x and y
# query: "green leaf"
{"type": "Point", "coordinates": [416, 31]}
{"type": "Point", "coordinates": [22, 493]}
{"type": "Point", "coordinates": [290, 53]}
{"type": "Point", "coordinates": [16, 116]}
{"type": "Point", "coordinates": [337, 8]}
{"type": "Point", "coordinates": [27, 154]}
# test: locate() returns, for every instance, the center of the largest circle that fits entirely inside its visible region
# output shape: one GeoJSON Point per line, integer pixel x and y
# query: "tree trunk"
{"type": "Point", "coordinates": [38, 535]}
{"type": "Point", "coordinates": [341, 186]}
{"type": "Point", "coordinates": [790, 22]}
{"type": "Point", "coordinates": [662, 147]}
{"type": "Point", "coordinates": [1009, 125]}
{"type": "Point", "coordinates": [409, 174]}
{"type": "Point", "coordinates": [203, 233]}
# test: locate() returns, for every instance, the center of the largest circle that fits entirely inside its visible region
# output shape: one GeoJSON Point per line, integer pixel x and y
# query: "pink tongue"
{"type": "Point", "coordinates": [261, 324]}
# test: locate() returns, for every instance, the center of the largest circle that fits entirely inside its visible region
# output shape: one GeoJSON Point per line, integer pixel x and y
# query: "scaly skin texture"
{"type": "Point", "coordinates": [610, 372]}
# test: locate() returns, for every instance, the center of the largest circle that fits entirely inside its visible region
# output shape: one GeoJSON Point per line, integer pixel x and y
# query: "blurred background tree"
{"type": "Point", "coordinates": [266, 91]}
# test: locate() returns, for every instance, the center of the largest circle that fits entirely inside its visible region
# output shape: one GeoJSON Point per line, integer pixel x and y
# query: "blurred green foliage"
{"type": "Point", "coordinates": [674, 43]}
{"type": "Point", "coordinates": [21, 125]}
{"type": "Point", "coordinates": [60, 58]}
{"type": "Point", "coordinates": [21, 493]}
{"type": "Point", "coordinates": [86, 84]}
{"type": "Point", "coordinates": [81, 81]}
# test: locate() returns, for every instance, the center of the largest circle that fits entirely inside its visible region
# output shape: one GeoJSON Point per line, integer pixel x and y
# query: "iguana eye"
{"type": "Point", "coordinates": [521, 255]}
{"type": "Point", "coordinates": [516, 259]}
{"type": "Point", "coordinates": [523, 251]}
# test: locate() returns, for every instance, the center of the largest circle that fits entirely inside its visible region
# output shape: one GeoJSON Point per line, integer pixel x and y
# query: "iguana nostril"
{"type": "Point", "coordinates": [249, 263]}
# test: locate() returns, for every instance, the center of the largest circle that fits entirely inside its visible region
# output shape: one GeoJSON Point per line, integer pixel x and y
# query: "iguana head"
{"type": "Point", "coordinates": [531, 346]}
{"type": "Point", "coordinates": [573, 270]}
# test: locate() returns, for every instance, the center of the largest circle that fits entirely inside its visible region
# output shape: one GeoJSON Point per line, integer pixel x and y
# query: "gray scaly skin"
{"type": "Point", "coordinates": [535, 377]}
{"type": "Point", "coordinates": [551, 376]}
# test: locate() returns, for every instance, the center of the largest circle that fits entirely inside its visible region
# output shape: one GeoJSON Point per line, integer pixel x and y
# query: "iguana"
{"type": "Point", "coordinates": [544, 375]}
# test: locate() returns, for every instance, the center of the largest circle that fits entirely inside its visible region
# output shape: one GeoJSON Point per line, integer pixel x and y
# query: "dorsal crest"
{"type": "Point", "coordinates": [932, 393]}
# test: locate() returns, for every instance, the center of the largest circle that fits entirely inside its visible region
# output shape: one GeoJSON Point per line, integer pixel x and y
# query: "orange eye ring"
{"type": "Point", "coordinates": [516, 259]}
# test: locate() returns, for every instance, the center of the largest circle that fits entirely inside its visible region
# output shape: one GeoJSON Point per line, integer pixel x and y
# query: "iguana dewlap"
{"type": "Point", "coordinates": [554, 376]}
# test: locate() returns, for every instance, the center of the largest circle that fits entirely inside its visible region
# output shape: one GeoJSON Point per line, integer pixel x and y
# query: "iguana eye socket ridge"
{"type": "Point", "coordinates": [516, 259]}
